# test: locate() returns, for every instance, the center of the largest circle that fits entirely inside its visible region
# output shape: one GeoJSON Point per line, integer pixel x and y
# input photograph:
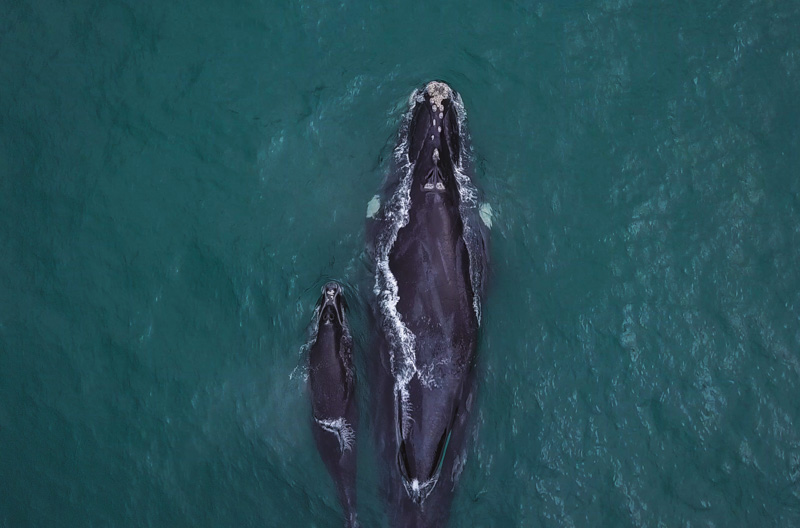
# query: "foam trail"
{"type": "Point", "coordinates": [341, 429]}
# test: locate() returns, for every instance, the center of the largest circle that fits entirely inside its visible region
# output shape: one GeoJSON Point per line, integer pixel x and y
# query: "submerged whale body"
{"type": "Point", "coordinates": [333, 402]}
{"type": "Point", "coordinates": [430, 256]}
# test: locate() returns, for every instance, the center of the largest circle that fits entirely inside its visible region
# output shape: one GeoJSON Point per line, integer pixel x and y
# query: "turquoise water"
{"type": "Point", "coordinates": [178, 179]}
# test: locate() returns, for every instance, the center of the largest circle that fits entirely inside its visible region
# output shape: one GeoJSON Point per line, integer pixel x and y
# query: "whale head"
{"type": "Point", "coordinates": [434, 142]}
{"type": "Point", "coordinates": [332, 305]}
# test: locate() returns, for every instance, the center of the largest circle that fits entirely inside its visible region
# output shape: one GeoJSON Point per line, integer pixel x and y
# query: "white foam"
{"type": "Point", "coordinates": [401, 341]}
{"type": "Point", "coordinates": [301, 370]}
{"type": "Point", "coordinates": [469, 202]}
{"type": "Point", "coordinates": [343, 431]}
{"type": "Point", "coordinates": [419, 491]}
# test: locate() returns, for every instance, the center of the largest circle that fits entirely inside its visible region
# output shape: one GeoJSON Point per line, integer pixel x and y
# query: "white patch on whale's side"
{"type": "Point", "coordinates": [343, 431]}
{"type": "Point", "coordinates": [487, 214]}
{"type": "Point", "coordinates": [373, 206]}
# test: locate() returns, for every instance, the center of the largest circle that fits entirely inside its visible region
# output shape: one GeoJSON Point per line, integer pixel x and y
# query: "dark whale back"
{"type": "Point", "coordinates": [330, 367]}
{"type": "Point", "coordinates": [430, 262]}
{"type": "Point", "coordinates": [331, 382]}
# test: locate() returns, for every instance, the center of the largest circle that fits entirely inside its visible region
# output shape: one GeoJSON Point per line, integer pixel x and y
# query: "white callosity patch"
{"type": "Point", "coordinates": [341, 429]}
{"type": "Point", "coordinates": [395, 216]}
{"type": "Point", "coordinates": [438, 93]}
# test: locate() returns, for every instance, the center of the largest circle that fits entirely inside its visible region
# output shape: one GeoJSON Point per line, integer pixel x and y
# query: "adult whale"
{"type": "Point", "coordinates": [332, 384]}
{"type": "Point", "coordinates": [430, 255]}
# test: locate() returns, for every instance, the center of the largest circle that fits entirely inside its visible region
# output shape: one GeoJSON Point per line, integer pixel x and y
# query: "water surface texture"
{"type": "Point", "coordinates": [178, 179]}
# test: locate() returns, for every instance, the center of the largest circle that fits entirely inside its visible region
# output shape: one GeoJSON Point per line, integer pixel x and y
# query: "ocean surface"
{"type": "Point", "coordinates": [178, 179]}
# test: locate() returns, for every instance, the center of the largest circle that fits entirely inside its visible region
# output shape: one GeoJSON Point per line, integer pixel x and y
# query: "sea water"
{"type": "Point", "coordinates": [178, 179]}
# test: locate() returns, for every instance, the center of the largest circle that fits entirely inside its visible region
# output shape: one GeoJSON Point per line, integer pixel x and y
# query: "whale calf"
{"type": "Point", "coordinates": [430, 256]}
{"type": "Point", "coordinates": [332, 384]}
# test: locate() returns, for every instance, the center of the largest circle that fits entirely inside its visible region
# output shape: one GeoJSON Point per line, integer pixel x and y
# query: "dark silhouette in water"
{"type": "Point", "coordinates": [430, 256]}
{"type": "Point", "coordinates": [332, 384]}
